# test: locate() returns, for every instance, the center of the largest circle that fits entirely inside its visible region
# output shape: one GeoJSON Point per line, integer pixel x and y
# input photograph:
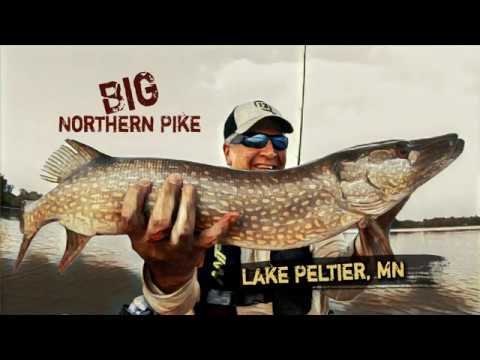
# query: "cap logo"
{"type": "Point", "coordinates": [263, 106]}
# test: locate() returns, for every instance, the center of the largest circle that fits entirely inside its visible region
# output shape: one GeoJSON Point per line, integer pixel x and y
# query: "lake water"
{"type": "Point", "coordinates": [107, 275]}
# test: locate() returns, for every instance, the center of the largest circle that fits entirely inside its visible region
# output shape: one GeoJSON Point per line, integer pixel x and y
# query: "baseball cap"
{"type": "Point", "coordinates": [246, 115]}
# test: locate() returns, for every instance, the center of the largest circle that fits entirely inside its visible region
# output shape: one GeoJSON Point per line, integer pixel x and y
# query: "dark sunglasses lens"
{"type": "Point", "coordinates": [256, 141]}
{"type": "Point", "coordinates": [280, 142]}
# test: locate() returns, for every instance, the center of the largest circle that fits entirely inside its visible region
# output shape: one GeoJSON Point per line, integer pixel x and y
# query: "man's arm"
{"type": "Point", "coordinates": [334, 247]}
{"type": "Point", "coordinates": [179, 302]}
{"type": "Point", "coordinates": [169, 245]}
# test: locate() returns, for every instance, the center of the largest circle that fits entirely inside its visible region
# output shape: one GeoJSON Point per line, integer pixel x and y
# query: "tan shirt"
{"type": "Point", "coordinates": [182, 301]}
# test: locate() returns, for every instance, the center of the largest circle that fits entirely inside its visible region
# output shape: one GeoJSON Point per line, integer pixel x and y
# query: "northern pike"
{"type": "Point", "coordinates": [279, 209]}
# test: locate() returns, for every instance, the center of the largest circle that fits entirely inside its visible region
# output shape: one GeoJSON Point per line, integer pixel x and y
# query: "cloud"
{"type": "Point", "coordinates": [42, 83]}
{"type": "Point", "coordinates": [409, 92]}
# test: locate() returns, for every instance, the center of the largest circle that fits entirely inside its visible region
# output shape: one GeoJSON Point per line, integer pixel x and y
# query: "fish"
{"type": "Point", "coordinates": [279, 209]}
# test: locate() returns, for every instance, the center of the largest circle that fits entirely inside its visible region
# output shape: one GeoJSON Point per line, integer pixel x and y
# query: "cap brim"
{"type": "Point", "coordinates": [285, 126]}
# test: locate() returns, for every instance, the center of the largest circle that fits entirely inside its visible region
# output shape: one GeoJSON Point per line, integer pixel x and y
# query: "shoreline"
{"type": "Point", "coordinates": [428, 229]}
{"type": "Point", "coordinates": [433, 229]}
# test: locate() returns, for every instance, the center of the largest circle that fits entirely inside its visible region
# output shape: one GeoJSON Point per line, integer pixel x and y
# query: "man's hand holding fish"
{"type": "Point", "coordinates": [170, 248]}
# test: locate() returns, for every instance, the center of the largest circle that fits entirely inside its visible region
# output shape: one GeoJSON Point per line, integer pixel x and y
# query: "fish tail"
{"type": "Point", "coordinates": [31, 220]}
{"type": "Point", "coordinates": [23, 250]}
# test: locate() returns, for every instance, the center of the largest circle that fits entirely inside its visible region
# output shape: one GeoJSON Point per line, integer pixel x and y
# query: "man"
{"type": "Point", "coordinates": [254, 140]}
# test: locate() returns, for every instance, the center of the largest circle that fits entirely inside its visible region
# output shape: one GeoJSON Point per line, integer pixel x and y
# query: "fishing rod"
{"type": "Point", "coordinates": [303, 102]}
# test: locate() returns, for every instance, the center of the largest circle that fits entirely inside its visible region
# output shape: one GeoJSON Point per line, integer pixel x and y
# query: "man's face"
{"type": "Point", "coordinates": [241, 157]}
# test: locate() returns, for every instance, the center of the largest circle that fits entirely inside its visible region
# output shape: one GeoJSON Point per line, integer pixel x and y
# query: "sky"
{"type": "Point", "coordinates": [362, 94]}
{"type": "Point", "coordinates": [353, 95]}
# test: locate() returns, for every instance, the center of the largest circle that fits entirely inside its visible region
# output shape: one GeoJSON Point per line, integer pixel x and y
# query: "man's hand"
{"type": "Point", "coordinates": [373, 237]}
{"type": "Point", "coordinates": [168, 244]}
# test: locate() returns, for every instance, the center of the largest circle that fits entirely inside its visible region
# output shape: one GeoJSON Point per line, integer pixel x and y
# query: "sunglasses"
{"type": "Point", "coordinates": [258, 141]}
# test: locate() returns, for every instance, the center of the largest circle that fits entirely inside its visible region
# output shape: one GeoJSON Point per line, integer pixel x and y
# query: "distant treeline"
{"type": "Point", "coordinates": [7, 198]}
{"type": "Point", "coordinates": [437, 222]}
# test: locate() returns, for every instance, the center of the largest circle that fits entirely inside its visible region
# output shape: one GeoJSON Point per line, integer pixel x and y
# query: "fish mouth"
{"type": "Point", "coordinates": [433, 155]}
{"type": "Point", "coordinates": [446, 147]}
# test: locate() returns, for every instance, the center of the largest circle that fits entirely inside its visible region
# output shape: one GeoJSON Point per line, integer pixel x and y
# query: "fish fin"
{"type": "Point", "coordinates": [75, 244]}
{"type": "Point", "coordinates": [382, 237]}
{"type": "Point", "coordinates": [373, 208]}
{"type": "Point", "coordinates": [378, 243]}
{"type": "Point", "coordinates": [67, 160]}
{"type": "Point", "coordinates": [86, 150]}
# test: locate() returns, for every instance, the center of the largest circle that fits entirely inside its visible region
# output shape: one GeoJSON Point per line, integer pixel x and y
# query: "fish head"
{"type": "Point", "coordinates": [375, 177]}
